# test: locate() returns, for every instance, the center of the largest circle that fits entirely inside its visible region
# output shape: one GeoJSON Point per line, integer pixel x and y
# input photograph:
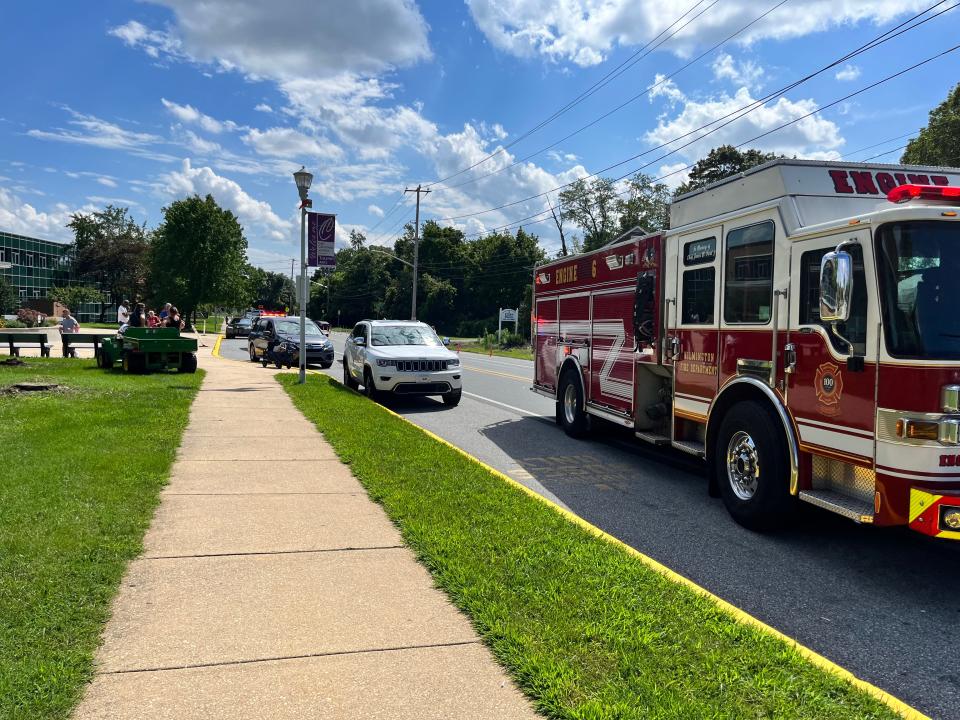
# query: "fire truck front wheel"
{"type": "Point", "coordinates": [570, 406]}
{"type": "Point", "coordinates": [753, 468]}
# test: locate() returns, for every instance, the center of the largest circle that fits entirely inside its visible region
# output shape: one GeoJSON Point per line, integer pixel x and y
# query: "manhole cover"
{"type": "Point", "coordinates": [34, 386]}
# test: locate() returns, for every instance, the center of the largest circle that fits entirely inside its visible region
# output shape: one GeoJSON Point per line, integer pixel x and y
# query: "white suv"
{"type": "Point", "coordinates": [404, 357]}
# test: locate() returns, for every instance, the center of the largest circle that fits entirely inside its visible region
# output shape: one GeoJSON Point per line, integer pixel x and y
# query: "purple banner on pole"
{"type": "Point", "coordinates": [321, 233]}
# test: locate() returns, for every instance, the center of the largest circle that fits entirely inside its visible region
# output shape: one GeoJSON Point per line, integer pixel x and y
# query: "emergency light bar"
{"type": "Point", "coordinates": [272, 313]}
{"type": "Point", "coordinates": [906, 193]}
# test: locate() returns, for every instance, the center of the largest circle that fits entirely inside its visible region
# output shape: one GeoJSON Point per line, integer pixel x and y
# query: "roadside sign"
{"type": "Point", "coordinates": [321, 232]}
{"type": "Point", "coordinates": [508, 315]}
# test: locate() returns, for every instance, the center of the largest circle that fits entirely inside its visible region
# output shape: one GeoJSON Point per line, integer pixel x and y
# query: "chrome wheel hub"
{"type": "Point", "coordinates": [570, 404]}
{"type": "Point", "coordinates": [743, 465]}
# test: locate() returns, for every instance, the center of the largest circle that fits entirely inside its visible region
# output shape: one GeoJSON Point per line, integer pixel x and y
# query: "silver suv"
{"type": "Point", "coordinates": [403, 357]}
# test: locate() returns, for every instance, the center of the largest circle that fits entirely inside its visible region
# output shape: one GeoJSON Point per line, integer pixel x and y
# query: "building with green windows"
{"type": "Point", "coordinates": [36, 266]}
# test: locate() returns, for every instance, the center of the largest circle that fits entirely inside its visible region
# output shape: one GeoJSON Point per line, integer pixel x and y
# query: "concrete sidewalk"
{"type": "Point", "coordinates": [271, 586]}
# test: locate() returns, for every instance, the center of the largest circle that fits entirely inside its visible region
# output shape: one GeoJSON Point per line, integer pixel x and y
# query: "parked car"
{"type": "Point", "coordinates": [277, 340]}
{"type": "Point", "coordinates": [402, 357]}
{"type": "Point", "coordinates": [324, 327]}
{"type": "Point", "coordinates": [239, 327]}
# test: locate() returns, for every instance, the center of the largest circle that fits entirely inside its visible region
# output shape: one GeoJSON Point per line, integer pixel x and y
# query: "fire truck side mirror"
{"type": "Point", "coordinates": [836, 286]}
{"type": "Point", "coordinates": [644, 312]}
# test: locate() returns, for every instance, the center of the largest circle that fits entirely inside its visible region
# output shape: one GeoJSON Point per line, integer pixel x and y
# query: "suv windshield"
{"type": "Point", "coordinates": [919, 262]}
{"type": "Point", "coordinates": [292, 327]}
{"type": "Point", "coordinates": [403, 335]}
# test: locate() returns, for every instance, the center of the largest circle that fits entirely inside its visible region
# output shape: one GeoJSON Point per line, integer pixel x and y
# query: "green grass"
{"type": "Point", "coordinates": [586, 630]}
{"type": "Point", "coordinates": [522, 353]}
{"type": "Point", "coordinates": [81, 474]}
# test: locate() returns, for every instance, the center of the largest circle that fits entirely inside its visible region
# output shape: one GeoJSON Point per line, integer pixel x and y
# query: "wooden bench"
{"type": "Point", "coordinates": [17, 340]}
{"type": "Point", "coordinates": [72, 340]}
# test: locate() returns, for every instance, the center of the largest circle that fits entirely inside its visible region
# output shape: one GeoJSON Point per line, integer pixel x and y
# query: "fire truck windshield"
{"type": "Point", "coordinates": [919, 267]}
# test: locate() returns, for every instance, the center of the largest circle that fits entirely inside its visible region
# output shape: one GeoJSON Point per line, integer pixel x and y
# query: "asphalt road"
{"type": "Point", "coordinates": [883, 603]}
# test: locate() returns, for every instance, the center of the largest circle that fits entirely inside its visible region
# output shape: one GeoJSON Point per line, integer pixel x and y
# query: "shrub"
{"type": "Point", "coordinates": [511, 339]}
{"type": "Point", "coordinates": [29, 318]}
{"type": "Point", "coordinates": [13, 324]}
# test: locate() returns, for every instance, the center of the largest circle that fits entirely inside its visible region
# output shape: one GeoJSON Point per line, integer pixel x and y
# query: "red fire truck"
{"type": "Point", "coordinates": [795, 328]}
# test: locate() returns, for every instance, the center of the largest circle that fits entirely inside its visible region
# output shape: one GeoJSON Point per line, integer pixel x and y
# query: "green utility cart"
{"type": "Point", "coordinates": [140, 350]}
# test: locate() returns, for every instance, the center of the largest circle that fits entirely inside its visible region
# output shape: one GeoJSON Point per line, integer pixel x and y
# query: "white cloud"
{"type": "Point", "coordinates": [107, 182]}
{"type": "Point", "coordinates": [292, 145]}
{"type": "Point", "coordinates": [23, 218]}
{"type": "Point", "coordinates": [191, 116]}
{"type": "Point", "coordinates": [585, 31]}
{"type": "Point", "coordinates": [847, 73]}
{"type": "Point", "coordinates": [375, 210]}
{"type": "Point", "coordinates": [292, 38]}
{"type": "Point", "coordinates": [91, 130]}
{"type": "Point", "coordinates": [813, 137]}
{"type": "Point", "coordinates": [263, 107]}
{"type": "Point", "coordinates": [745, 74]}
{"type": "Point", "coordinates": [253, 214]}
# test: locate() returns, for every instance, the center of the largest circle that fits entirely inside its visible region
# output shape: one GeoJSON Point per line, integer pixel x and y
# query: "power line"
{"type": "Point", "coordinates": [613, 74]}
{"type": "Point", "coordinates": [664, 80]}
{"type": "Point", "coordinates": [882, 142]}
{"type": "Point", "coordinates": [531, 219]}
{"type": "Point", "coordinates": [743, 111]}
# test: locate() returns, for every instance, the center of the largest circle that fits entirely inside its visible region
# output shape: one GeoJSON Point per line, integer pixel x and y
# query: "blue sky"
{"type": "Point", "coordinates": [139, 103]}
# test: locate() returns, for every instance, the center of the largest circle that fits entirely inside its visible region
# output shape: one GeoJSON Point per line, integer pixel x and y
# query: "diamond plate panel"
{"type": "Point", "coordinates": [850, 480]}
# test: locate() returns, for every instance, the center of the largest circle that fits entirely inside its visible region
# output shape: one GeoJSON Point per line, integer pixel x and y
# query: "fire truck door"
{"type": "Point", "coordinates": [830, 391]}
{"type": "Point", "coordinates": [545, 367]}
{"type": "Point", "coordinates": [694, 324]}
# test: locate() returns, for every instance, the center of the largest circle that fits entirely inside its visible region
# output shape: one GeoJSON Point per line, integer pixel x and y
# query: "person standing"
{"type": "Point", "coordinates": [68, 324]}
{"type": "Point", "coordinates": [123, 315]}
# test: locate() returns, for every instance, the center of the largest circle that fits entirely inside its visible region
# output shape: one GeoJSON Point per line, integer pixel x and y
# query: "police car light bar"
{"type": "Point", "coordinates": [906, 193]}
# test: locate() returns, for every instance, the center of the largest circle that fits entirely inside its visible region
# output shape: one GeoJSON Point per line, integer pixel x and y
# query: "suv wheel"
{"type": "Point", "coordinates": [348, 378]}
{"type": "Point", "coordinates": [253, 355]}
{"type": "Point", "coordinates": [452, 398]}
{"type": "Point", "coordinates": [369, 389]}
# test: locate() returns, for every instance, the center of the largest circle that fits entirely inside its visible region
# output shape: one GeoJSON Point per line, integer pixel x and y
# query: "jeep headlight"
{"type": "Point", "coordinates": [386, 363]}
{"type": "Point", "coordinates": [454, 363]}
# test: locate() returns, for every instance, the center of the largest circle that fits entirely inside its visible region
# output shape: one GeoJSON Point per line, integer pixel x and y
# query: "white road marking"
{"type": "Point", "coordinates": [521, 411]}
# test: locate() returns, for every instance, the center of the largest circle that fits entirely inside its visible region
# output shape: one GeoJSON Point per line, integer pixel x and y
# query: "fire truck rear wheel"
{"type": "Point", "coordinates": [752, 467]}
{"type": "Point", "coordinates": [570, 406]}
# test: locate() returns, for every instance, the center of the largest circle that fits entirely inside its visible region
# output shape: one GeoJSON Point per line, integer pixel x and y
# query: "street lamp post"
{"type": "Point", "coordinates": [303, 180]}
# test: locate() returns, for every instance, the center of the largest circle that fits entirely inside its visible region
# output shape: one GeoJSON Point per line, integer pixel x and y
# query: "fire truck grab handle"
{"type": "Point", "coordinates": [789, 358]}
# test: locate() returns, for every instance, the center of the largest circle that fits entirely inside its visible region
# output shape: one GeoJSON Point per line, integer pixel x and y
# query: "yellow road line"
{"type": "Point", "coordinates": [895, 704]}
{"type": "Point", "coordinates": [500, 374]}
{"type": "Point", "coordinates": [216, 347]}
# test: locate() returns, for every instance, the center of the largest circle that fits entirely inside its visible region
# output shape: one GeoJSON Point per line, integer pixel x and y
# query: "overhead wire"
{"type": "Point", "coordinates": [729, 117]}
{"type": "Point", "coordinates": [609, 77]}
{"type": "Point", "coordinates": [661, 81]}
{"type": "Point", "coordinates": [532, 219]}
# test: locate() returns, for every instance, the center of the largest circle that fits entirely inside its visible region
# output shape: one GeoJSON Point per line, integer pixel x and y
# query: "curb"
{"type": "Point", "coordinates": [894, 703]}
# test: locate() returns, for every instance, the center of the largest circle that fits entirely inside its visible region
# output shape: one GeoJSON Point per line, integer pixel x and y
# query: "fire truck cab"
{"type": "Point", "coordinates": [794, 327]}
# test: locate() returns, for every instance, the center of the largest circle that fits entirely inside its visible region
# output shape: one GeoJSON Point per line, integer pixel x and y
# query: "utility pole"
{"type": "Point", "coordinates": [416, 250]}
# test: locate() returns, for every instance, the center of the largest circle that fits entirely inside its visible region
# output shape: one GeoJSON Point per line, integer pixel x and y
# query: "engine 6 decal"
{"type": "Point", "coordinates": [829, 388]}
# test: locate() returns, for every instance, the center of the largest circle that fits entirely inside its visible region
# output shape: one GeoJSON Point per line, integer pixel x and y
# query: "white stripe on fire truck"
{"type": "Point", "coordinates": [697, 407]}
{"type": "Point", "coordinates": [831, 426]}
{"type": "Point", "coordinates": [913, 461]}
{"type": "Point", "coordinates": [850, 444]}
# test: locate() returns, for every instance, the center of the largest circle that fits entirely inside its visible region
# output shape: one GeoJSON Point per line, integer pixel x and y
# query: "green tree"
{"type": "Point", "coordinates": [73, 296]}
{"type": "Point", "coordinates": [646, 205]}
{"type": "Point", "coordinates": [198, 255]}
{"type": "Point", "coordinates": [939, 142]}
{"type": "Point", "coordinates": [111, 249]}
{"type": "Point", "coordinates": [592, 206]}
{"type": "Point", "coordinates": [722, 162]}
{"type": "Point", "coordinates": [272, 290]}
{"type": "Point", "coordinates": [9, 301]}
